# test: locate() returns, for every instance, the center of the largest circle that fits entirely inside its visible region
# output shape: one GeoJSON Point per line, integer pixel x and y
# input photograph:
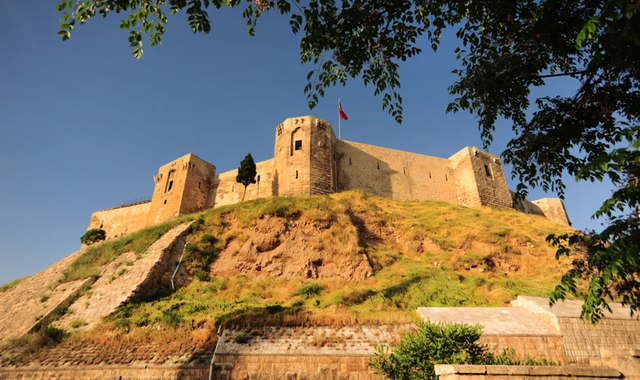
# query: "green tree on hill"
{"type": "Point", "coordinates": [92, 236]}
{"type": "Point", "coordinates": [246, 173]}
{"type": "Point", "coordinates": [506, 48]}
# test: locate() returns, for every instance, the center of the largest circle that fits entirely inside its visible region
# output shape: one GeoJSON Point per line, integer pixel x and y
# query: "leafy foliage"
{"type": "Point", "coordinates": [246, 173]}
{"type": "Point", "coordinates": [434, 343]}
{"type": "Point", "coordinates": [440, 343]}
{"type": "Point", "coordinates": [92, 236]}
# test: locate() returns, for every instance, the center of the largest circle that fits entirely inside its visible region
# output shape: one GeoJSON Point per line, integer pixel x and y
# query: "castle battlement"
{"type": "Point", "coordinates": [309, 160]}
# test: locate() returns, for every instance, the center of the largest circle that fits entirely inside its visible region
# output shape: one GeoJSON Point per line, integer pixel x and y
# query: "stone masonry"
{"type": "Point", "coordinates": [309, 160]}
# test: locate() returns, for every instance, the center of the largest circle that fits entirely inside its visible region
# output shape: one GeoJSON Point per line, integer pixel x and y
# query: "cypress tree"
{"type": "Point", "coordinates": [246, 173]}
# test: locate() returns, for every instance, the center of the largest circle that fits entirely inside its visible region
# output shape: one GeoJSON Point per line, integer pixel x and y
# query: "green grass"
{"type": "Point", "coordinates": [12, 284]}
{"type": "Point", "coordinates": [96, 256]}
{"type": "Point", "coordinates": [481, 253]}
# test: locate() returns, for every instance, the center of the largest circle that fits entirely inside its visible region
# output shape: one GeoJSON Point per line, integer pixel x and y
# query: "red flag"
{"type": "Point", "coordinates": [343, 115]}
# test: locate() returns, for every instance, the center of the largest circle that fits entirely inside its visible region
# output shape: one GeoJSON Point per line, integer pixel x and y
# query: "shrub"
{"type": "Point", "coordinates": [171, 318]}
{"type": "Point", "coordinates": [92, 236]}
{"type": "Point", "coordinates": [191, 248]}
{"type": "Point", "coordinates": [78, 323]}
{"type": "Point", "coordinates": [45, 298]}
{"type": "Point", "coordinates": [434, 343]}
{"type": "Point", "coordinates": [241, 338]}
{"type": "Point", "coordinates": [441, 343]}
{"type": "Point", "coordinates": [208, 239]}
{"type": "Point", "coordinates": [309, 290]}
{"type": "Point", "coordinates": [53, 335]}
{"type": "Point", "coordinates": [202, 275]}
{"type": "Point", "coordinates": [59, 311]}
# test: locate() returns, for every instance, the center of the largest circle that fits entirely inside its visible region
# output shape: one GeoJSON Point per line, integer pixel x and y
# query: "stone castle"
{"type": "Point", "coordinates": [309, 160]}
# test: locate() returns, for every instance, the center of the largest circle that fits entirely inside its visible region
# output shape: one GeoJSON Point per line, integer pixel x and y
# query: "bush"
{"type": "Point", "coordinates": [241, 338]}
{"type": "Point", "coordinates": [202, 276]}
{"type": "Point", "coordinates": [440, 343]}
{"type": "Point", "coordinates": [434, 343]}
{"type": "Point", "coordinates": [208, 239]}
{"type": "Point", "coordinates": [92, 236]}
{"type": "Point", "coordinates": [53, 335]}
{"type": "Point", "coordinates": [309, 290]}
{"type": "Point", "coordinates": [44, 298]}
{"type": "Point", "coordinates": [78, 323]}
{"type": "Point", "coordinates": [171, 318]}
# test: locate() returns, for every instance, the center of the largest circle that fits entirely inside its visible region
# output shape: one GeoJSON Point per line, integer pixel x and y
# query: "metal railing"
{"type": "Point", "coordinates": [213, 358]}
{"type": "Point", "coordinates": [178, 266]}
{"type": "Point", "coordinates": [137, 200]}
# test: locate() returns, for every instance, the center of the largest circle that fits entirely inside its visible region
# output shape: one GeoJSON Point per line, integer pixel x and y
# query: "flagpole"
{"type": "Point", "coordinates": [339, 118]}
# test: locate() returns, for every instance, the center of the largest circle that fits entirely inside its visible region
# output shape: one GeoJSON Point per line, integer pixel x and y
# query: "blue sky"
{"type": "Point", "coordinates": [85, 126]}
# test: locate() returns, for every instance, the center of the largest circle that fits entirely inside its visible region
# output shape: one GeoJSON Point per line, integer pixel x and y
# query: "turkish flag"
{"type": "Point", "coordinates": [343, 115]}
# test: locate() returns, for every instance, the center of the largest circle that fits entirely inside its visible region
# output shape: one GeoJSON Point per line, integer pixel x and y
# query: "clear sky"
{"type": "Point", "coordinates": [84, 126]}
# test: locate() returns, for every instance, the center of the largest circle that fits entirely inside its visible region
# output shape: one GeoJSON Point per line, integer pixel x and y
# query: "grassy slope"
{"type": "Point", "coordinates": [477, 251]}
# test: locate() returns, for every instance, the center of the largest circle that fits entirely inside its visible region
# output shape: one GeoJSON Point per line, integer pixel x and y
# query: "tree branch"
{"type": "Point", "coordinates": [562, 74]}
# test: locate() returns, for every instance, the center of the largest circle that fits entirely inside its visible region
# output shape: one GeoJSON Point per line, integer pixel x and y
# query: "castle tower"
{"type": "Point", "coordinates": [480, 179]}
{"type": "Point", "coordinates": [182, 187]}
{"type": "Point", "coordinates": [304, 159]}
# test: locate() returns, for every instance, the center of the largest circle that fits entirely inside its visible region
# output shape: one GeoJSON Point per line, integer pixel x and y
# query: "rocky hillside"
{"type": "Point", "coordinates": [341, 259]}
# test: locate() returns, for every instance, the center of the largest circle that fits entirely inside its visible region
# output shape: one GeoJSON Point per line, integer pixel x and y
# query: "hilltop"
{"type": "Point", "coordinates": [341, 259]}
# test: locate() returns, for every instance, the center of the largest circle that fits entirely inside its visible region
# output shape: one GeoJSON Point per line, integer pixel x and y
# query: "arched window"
{"type": "Point", "coordinates": [296, 140]}
{"type": "Point", "coordinates": [170, 178]}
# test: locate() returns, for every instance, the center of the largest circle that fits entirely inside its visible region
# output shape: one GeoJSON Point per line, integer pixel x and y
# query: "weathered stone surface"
{"type": "Point", "coordinates": [466, 372]}
{"type": "Point", "coordinates": [144, 277]}
{"type": "Point", "coordinates": [35, 298]}
{"type": "Point", "coordinates": [495, 320]}
{"type": "Point", "coordinates": [314, 341]}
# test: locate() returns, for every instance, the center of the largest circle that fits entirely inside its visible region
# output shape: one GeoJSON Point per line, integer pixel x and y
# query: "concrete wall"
{"type": "Point", "coordinates": [393, 173]}
{"type": "Point", "coordinates": [120, 221]}
{"type": "Point", "coordinates": [225, 190]}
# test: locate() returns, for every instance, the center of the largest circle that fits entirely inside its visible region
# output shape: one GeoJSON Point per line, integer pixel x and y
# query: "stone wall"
{"type": "Point", "coordinates": [526, 206]}
{"type": "Point", "coordinates": [128, 278]}
{"type": "Point", "coordinates": [106, 373]}
{"type": "Point", "coordinates": [502, 372]}
{"type": "Point", "coordinates": [225, 190]}
{"type": "Point", "coordinates": [553, 209]}
{"type": "Point", "coordinates": [36, 297]}
{"type": "Point", "coordinates": [292, 161]}
{"type": "Point", "coordinates": [480, 179]}
{"type": "Point", "coordinates": [294, 367]}
{"type": "Point", "coordinates": [322, 178]}
{"type": "Point", "coordinates": [393, 173]}
{"type": "Point", "coordinates": [308, 160]}
{"type": "Point", "coordinates": [181, 187]}
{"type": "Point", "coordinates": [120, 221]}
{"type": "Point", "coordinates": [584, 342]}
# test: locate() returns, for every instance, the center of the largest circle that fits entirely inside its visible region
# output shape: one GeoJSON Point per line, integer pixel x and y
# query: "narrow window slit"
{"type": "Point", "coordinates": [296, 174]}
